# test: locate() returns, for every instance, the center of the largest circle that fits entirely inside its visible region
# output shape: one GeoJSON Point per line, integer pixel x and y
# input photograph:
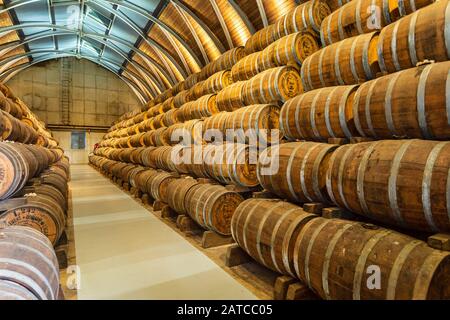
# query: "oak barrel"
{"type": "Point", "coordinates": [320, 114]}
{"type": "Point", "coordinates": [296, 171]}
{"type": "Point", "coordinates": [267, 230]}
{"type": "Point", "coordinates": [177, 195]}
{"type": "Point", "coordinates": [29, 261]}
{"type": "Point", "coordinates": [399, 182]}
{"type": "Point", "coordinates": [212, 207]}
{"type": "Point", "coordinates": [350, 61]}
{"type": "Point", "coordinates": [341, 259]}
{"type": "Point", "coordinates": [406, 42]}
{"type": "Point", "coordinates": [272, 85]}
{"type": "Point", "coordinates": [410, 104]}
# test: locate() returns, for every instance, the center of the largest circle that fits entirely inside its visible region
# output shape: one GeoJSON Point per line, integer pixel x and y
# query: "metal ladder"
{"type": "Point", "coordinates": [66, 90]}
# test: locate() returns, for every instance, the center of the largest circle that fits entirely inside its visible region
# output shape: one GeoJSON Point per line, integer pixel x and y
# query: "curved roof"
{"type": "Point", "coordinates": [149, 44]}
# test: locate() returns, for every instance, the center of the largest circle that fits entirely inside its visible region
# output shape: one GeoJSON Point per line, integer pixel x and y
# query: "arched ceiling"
{"type": "Point", "coordinates": [149, 44]}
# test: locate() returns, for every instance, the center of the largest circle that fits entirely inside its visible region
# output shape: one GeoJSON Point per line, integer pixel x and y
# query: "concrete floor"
{"type": "Point", "coordinates": [124, 252]}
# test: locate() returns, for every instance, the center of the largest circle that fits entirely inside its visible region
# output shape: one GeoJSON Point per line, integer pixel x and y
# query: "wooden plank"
{"type": "Point", "coordinates": [281, 287]}
{"type": "Point", "coordinates": [236, 256]}
{"type": "Point", "coordinates": [299, 291]}
{"type": "Point", "coordinates": [313, 207]}
{"type": "Point", "coordinates": [158, 205]}
{"type": "Point", "coordinates": [212, 239]}
{"type": "Point", "coordinates": [440, 241]}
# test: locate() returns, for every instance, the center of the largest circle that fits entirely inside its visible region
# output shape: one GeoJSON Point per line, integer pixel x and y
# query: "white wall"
{"type": "Point", "coordinates": [98, 96]}
{"type": "Point", "coordinates": [77, 156]}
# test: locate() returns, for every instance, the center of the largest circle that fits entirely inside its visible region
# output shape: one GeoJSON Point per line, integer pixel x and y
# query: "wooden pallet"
{"type": "Point", "coordinates": [284, 287]}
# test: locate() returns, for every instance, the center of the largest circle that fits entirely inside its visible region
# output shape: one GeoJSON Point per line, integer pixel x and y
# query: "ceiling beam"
{"type": "Point", "coordinates": [66, 30]}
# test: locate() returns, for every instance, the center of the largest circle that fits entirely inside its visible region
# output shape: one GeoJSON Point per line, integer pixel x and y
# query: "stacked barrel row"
{"type": "Point", "coordinates": [33, 203]}
{"type": "Point", "coordinates": [340, 259]}
{"type": "Point", "coordinates": [402, 183]}
{"type": "Point", "coordinates": [348, 89]}
{"type": "Point", "coordinates": [227, 163]}
{"type": "Point", "coordinates": [28, 267]}
{"type": "Point", "coordinates": [349, 58]}
{"type": "Point", "coordinates": [210, 205]}
{"type": "Point", "coordinates": [18, 123]}
{"type": "Point", "coordinates": [34, 188]}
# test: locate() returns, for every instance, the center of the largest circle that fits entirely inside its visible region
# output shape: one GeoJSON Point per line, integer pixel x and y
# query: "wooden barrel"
{"type": "Point", "coordinates": [12, 291]}
{"type": "Point", "coordinates": [254, 125]}
{"type": "Point", "coordinates": [191, 160]}
{"type": "Point", "coordinates": [246, 68]}
{"type": "Point", "coordinates": [135, 140]}
{"type": "Point", "coordinates": [296, 171]}
{"type": "Point", "coordinates": [186, 133]}
{"type": "Point", "coordinates": [411, 104]}
{"type": "Point", "coordinates": [355, 18]}
{"type": "Point", "coordinates": [19, 163]}
{"type": "Point", "coordinates": [267, 230]}
{"type": "Point", "coordinates": [212, 207]}
{"type": "Point", "coordinates": [161, 137]}
{"type": "Point", "coordinates": [232, 163]}
{"type": "Point", "coordinates": [56, 180]}
{"type": "Point", "coordinates": [29, 261]}
{"type": "Point", "coordinates": [217, 82]}
{"type": "Point", "coordinates": [306, 16]}
{"type": "Point", "coordinates": [133, 175]}
{"type": "Point", "coordinates": [146, 139]}
{"type": "Point", "coordinates": [159, 185]}
{"type": "Point", "coordinates": [399, 182]}
{"type": "Point", "coordinates": [59, 197]}
{"type": "Point", "coordinates": [338, 259]}
{"type": "Point", "coordinates": [167, 105]}
{"type": "Point", "coordinates": [228, 59]}
{"type": "Point", "coordinates": [39, 213]}
{"type": "Point", "coordinates": [291, 49]}
{"type": "Point", "coordinates": [197, 90]}
{"type": "Point", "coordinates": [350, 61]}
{"type": "Point", "coordinates": [157, 122]}
{"type": "Point", "coordinates": [191, 80]}
{"type": "Point", "coordinates": [320, 114]}
{"type": "Point", "coordinates": [406, 42]}
{"type": "Point", "coordinates": [180, 160]}
{"type": "Point", "coordinates": [147, 160]}
{"type": "Point", "coordinates": [163, 158]}
{"type": "Point", "coordinates": [171, 117]}
{"type": "Point", "coordinates": [143, 180]}
{"type": "Point", "coordinates": [181, 98]}
{"type": "Point", "coordinates": [177, 195]}
{"type": "Point", "coordinates": [261, 39]}
{"type": "Point", "coordinates": [231, 98]}
{"type": "Point", "coordinates": [273, 85]}
{"type": "Point", "coordinates": [136, 155]}
{"type": "Point", "coordinates": [198, 109]}
{"type": "Point", "coordinates": [224, 62]}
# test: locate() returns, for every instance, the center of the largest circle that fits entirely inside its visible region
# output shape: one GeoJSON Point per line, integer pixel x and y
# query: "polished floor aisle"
{"type": "Point", "coordinates": [124, 252]}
